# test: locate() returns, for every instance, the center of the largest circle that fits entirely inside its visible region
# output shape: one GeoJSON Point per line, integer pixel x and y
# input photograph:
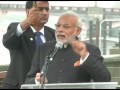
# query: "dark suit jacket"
{"type": "Point", "coordinates": [21, 51]}
{"type": "Point", "coordinates": [62, 70]}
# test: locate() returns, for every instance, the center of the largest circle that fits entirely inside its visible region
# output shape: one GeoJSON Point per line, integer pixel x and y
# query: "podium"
{"type": "Point", "coordinates": [91, 85]}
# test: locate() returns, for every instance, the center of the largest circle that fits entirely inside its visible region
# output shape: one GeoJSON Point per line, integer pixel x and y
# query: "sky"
{"type": "Point", "coordinates": [105, 4]}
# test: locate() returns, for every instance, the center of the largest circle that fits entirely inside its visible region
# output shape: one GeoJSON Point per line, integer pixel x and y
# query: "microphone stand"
{"type": "Point", "coordinates": [44, 71]}
{"type": "Point", "coordinates": [48, 59]}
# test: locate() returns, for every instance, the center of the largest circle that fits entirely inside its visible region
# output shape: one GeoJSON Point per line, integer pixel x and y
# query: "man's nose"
{"type": "Point", "coordinates": [45, 11]}
{"type": "Point", "coordinates": [60, 29]}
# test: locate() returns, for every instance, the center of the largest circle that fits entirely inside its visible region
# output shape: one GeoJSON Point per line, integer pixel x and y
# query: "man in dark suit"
{"type": "Point", "coordinates": [76, 62]}
{"type": "Point", "coordinates": [20, 39]}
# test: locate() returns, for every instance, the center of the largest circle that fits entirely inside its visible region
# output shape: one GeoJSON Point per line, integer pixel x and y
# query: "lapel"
{"type": "Point", "coordinates": [30, 37]}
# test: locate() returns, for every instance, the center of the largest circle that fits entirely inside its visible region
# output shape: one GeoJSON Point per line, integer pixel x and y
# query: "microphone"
{"type": "Point", "coordinates": [59, 45]}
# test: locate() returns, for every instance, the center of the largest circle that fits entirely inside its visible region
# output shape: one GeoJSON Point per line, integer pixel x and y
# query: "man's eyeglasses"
{"type": "Point", "coordinates": [64, 26]}
{"type": "Point", "coordinates": [43, 8]}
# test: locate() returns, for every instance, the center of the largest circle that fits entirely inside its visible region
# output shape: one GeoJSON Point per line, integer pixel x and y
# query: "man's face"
{"type": "Point", "coordinates": [43, 8]}
{"type": "Point", "coordinates": [66, 28]}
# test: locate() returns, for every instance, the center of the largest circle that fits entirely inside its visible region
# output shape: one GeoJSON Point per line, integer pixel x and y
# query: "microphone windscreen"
{"type": "Point", "coordinates": [59, 45]}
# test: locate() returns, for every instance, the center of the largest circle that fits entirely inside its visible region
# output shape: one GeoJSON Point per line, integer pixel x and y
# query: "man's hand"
{"type": "Point", "coordinates": [39, 78]}
{"type": "Point", "coordinates": [33, 17]}
{"type": "Point", "coordinates": [80, 48]}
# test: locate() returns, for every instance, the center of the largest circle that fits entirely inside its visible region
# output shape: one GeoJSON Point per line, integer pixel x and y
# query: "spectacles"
{"type": "Point", "coordinates": [64, 26]}
{"type": "Point", "coordinates": [43, 8]}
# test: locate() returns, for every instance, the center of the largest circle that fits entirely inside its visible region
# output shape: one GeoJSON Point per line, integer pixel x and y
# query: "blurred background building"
{"type": "Point", "coordinates": [100, 19]}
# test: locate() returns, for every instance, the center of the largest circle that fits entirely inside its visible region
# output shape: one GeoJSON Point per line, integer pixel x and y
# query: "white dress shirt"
{"type": "Point", "coordinates": [19, 32]}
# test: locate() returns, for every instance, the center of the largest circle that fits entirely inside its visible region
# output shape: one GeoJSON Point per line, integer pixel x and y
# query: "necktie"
{"type": "Point", "coordinates": [38, 39]}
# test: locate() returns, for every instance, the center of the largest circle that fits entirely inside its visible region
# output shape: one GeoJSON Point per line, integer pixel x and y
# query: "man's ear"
{"type": "Point", "coordinates": [78, 31]}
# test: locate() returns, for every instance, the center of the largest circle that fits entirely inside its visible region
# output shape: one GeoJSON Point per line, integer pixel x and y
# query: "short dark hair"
{"type": "Point", "coordinates": [29, 4]}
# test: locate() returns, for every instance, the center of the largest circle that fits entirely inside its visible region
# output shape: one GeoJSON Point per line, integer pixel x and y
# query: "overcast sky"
{"type": "Point", "coordinates": [106, 4]}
